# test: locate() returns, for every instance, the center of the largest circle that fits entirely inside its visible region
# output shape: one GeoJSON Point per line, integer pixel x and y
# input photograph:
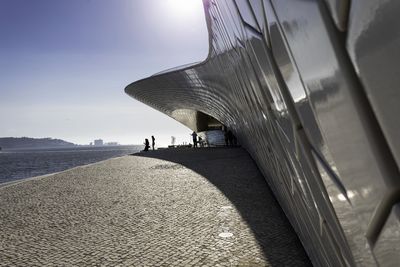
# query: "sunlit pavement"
{"type": "Point", "coordinates": [186, 207]}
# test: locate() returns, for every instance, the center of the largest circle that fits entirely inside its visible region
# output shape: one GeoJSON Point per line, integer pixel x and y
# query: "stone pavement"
{"type": "Point", "coordinates": [179, 207]}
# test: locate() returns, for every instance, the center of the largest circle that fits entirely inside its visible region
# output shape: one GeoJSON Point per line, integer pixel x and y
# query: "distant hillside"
{"type": "Point", "coordinates": [26, 142]}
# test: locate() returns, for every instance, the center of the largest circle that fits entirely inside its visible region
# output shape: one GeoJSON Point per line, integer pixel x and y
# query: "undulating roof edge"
{"type": "Point", "coordinates": [130, 88]}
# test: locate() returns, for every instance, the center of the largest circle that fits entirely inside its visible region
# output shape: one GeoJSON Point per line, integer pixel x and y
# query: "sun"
{"type": "Point", "coordinates": [176, 19]}
{"type": "Point", "coordinates": [182, 9]}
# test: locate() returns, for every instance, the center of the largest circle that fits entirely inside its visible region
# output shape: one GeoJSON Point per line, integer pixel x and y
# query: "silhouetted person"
{"type": "Point", "coordinates": [234, 140]}
{"type": "Point", "coordinates": [194, 135]}
{"type": "Point", "coordinates": [230, 137]}
{"type": "Point", "coordinates": [201, 143]}
{"type": "Point", "coordinates": [153, 141]}
{"type": "Point", "coordinates": [226, 137]}
{"type": "Point", "coordinates": [146, 144]}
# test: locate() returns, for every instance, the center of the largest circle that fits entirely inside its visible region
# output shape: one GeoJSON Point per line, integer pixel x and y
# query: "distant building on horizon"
{"type": "Point", "coordinates": [112, 144]}
{"type": "Point", "coordinates": [98, 142]}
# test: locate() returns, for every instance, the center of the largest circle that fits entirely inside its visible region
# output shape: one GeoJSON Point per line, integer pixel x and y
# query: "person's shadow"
{"type": "Point", "coordinates": [235, 174]}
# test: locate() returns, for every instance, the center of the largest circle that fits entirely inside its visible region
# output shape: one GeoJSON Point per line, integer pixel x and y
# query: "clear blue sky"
{"type": "Point", "coordinates": [64, 65]}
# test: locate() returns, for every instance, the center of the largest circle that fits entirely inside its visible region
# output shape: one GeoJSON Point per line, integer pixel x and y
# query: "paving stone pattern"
{"type": "Point", "coordinates": [176, 207]}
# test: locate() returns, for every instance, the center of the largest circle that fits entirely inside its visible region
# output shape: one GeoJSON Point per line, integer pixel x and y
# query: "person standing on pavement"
{"type": "Point", "coordinates": [146, 145]}
{"type": "Point", "coordinates": [194, 135]}
{"type": "Point", "coordinates": [153, 141]}
{"type": "Point", "coordinates": [230, 138]}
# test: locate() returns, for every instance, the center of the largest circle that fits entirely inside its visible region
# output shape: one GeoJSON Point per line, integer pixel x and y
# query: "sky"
{"type": "Point", "coordinates": [64, 66]}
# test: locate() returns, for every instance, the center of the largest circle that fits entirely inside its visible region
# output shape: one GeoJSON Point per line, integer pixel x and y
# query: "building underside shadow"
{"type": "Point", "coordinates": [234, 173]}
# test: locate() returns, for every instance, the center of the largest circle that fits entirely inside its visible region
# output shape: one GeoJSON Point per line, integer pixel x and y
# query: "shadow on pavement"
{"type": "Point", "coordinates": [235, 174]}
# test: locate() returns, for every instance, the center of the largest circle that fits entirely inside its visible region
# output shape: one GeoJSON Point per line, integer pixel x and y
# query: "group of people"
{"type": "Point", "coordinates": [197, 140]}
{"type": "Point", "coordinates": [230, 138]}
{"type": "Point", "coordinates": [147, 143]}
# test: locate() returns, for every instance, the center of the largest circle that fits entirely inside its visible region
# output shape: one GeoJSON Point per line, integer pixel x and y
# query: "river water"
{"type": "Point", "coordinates": [20, 164]}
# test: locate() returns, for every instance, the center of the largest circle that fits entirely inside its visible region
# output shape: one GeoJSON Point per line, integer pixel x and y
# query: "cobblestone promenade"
{"type": "Point", "coordinates": [204, 207]}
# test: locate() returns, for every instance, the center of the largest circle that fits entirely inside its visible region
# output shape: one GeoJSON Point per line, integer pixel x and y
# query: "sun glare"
{"type": "Point", "coordinates": [183, 8]}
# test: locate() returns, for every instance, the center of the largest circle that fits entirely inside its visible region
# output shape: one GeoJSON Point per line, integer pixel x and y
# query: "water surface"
{"type": "Point", "coordinates": [25, 163]}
